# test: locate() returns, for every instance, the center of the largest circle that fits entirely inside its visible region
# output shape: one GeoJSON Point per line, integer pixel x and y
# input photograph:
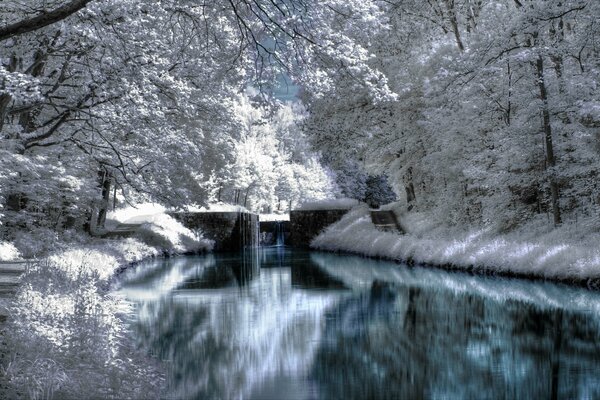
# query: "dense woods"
{"type": "Point", "coordinates": [145, 100]}
{"type": "Point", "coordinates": [479, 111]}
{"type": "Point", "coordinates": [496, 115]}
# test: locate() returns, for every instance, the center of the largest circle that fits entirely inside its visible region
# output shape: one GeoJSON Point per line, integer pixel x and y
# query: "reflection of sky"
{"type": "Point", "coordinates": [233, 341]}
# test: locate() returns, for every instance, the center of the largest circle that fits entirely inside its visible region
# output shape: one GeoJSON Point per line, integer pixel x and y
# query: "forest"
{"type": "Point", "coordinates": [479, 120]}
{"type": "Point", "coordinates": [482, 112]}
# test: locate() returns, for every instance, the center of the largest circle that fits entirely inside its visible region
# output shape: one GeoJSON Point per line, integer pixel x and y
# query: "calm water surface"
{"type": "Point", "coordinates": [283, 324]}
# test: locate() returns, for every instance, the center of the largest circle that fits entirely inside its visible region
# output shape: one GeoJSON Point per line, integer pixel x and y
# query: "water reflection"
{"type": "Point", "coordinates": [289, 324]}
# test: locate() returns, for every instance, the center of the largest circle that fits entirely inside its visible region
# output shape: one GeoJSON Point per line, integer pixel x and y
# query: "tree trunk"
{"type": "Point", "coordinates": [105, 184]}
{"type": "Point", "coordinates": [97, 217]}
{"type": "Point", "coordinates": [114, 197]}
{"type": "Point", "coordinates": [509, 102]}
{"type": "Point", "coordinates": [409, 187]}
{"type": "Point", "coordinates": [550, 160]}
{"type": "Point", "coordinates": [6, 98]}
{"type": "Point", "coordinates": [246, 196]}
{"type": "Point", "coordinates": [454, 23]}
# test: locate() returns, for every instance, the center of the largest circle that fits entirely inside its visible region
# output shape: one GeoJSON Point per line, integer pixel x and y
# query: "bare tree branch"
{"type": "Point", "coordinates": [42, 20]}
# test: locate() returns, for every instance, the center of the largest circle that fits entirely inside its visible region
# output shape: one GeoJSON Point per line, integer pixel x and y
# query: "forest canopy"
{"type": "Point", "coordinates": [483, 112]}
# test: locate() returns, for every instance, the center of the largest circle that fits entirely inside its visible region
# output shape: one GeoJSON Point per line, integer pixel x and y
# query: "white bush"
{"type": "Point", "coordinates": [8, 252]}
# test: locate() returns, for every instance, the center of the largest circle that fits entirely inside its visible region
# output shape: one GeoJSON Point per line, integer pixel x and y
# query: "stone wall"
{"type": "Point", "coordinates": [231, 231]}
{"type": "Point", "coordinates": [305, 225]}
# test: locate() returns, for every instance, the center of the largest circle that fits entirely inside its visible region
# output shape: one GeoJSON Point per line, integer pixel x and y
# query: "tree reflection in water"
{"type": "Point", "coordinates": [290, 324]}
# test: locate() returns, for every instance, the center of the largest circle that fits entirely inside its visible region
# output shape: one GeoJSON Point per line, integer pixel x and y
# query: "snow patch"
{"type": "Point", "coordinates": [159, 229]}
{"type": "Point", "coordinates": [218, 207]}
{"type": "Point", "coordinates": [136, 214]}
{"type": "Point", "coordinates": [544, 255]}
{"type": "Point", "coordinates": [273, 217]}
{"type": "Point", "coordinates": [8, 252]}
{"type": "Point", "coordinates": [164, 231]}
{"type": "Point", "coordinates": [329, 204]}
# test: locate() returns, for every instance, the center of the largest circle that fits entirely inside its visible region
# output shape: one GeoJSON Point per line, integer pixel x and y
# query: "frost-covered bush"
{"type": "Point", "coordinates": [8, 251]}
{"type": "Point", "coordinates": [67, 337]}
{"type": "Point", "coordinates": [568, 252]}
{"type": "Point", "coordinates": [166, 233]}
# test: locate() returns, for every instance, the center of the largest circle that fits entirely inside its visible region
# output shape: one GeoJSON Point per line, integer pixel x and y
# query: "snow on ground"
{"type": "Point", "coordinates": [538, 251]}
{"type": "Point", "coordinates": [164, 231]}
{"type": "Point", "coordinates": [135, 214]}
{"type": "Point", "coordinates": [8, 252]}
{"type": "Point", "coordinates": [159, 229]}
{"type": "Point", "coordinates": [65, 332]}
{"type": "Point", "coordinates": [218, 207]}
{"type": "Point", "coordinates": [354, 272]}
{"type": "Point", "coordinates": [273, 217]}
{"type": "Point", "coordinates": [329, 204]}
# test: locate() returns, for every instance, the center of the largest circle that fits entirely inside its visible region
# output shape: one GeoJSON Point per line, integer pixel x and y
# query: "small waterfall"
{"type": "Point", "coordinates": [279, 234]}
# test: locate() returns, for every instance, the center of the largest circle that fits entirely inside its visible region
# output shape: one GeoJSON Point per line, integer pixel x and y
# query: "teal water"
{"type": "Point", "coordinates": [289, 324]}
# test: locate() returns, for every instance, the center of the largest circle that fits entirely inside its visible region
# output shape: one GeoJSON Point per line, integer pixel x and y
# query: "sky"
{"type": "Point", "coordinates": [286, 90]}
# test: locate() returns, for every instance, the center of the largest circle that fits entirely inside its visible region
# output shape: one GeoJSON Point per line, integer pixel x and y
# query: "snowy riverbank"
{"type": "Point", "coordinates": [66, 335]}
{"type": "Point", "coordinates": [567, 253]}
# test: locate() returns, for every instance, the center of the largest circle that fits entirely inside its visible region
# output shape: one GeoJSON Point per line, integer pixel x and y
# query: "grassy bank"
{"type": "Point", "coordinates": [568, 253]}
{"type": "Point", "coordinates": [66, 335]}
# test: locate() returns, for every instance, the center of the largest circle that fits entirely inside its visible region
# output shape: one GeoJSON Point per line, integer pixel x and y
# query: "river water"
{"type": "Point", "coordinates": [290, 324]}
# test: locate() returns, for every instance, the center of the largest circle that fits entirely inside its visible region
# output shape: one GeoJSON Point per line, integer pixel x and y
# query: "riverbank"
{"type": "Point", "coordinates": [567, 254]}
{"type": "Point", "coordinates": [66, 335]}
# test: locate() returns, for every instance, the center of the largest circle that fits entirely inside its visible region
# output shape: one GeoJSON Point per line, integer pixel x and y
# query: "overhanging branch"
{"type": "Point", "coordinates": [42, 20]}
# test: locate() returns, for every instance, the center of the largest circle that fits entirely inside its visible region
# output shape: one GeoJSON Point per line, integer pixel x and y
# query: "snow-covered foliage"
{"type": "Point", "coordinates": [489, 121]}
{"type": "Point", "coordinates": [8, 252]}
{"type": "Point", "coordinates": [66, 334]}
{"type": "Point", "coordinates": [143, 97]}
{"type": "Point", "coordinates": [567, 253]}
{"type": "Point", "coordinates": [273, 168]}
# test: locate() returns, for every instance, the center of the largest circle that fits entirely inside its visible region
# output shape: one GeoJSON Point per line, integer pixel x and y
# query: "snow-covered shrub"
{"type": "Point", "coordinates": [8, 251]}
{"type": "Point", "coordinates": [564, 252]}
{"type": "Point", "coordinates": [67, 337]}
{"type": "Point", "coordinates": [168, 234]}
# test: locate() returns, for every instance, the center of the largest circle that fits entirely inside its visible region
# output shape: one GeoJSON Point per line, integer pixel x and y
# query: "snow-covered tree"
{"type": "Point", "coordinates": [488, 125]}
{"type": "Point", "coordinates": [274, 167]}
{"type": "Point", "coordinates": [139, 95]}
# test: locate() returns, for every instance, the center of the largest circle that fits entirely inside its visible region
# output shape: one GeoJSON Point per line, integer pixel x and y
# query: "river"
{"type": "Point", "coordinates": [289, 324]}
